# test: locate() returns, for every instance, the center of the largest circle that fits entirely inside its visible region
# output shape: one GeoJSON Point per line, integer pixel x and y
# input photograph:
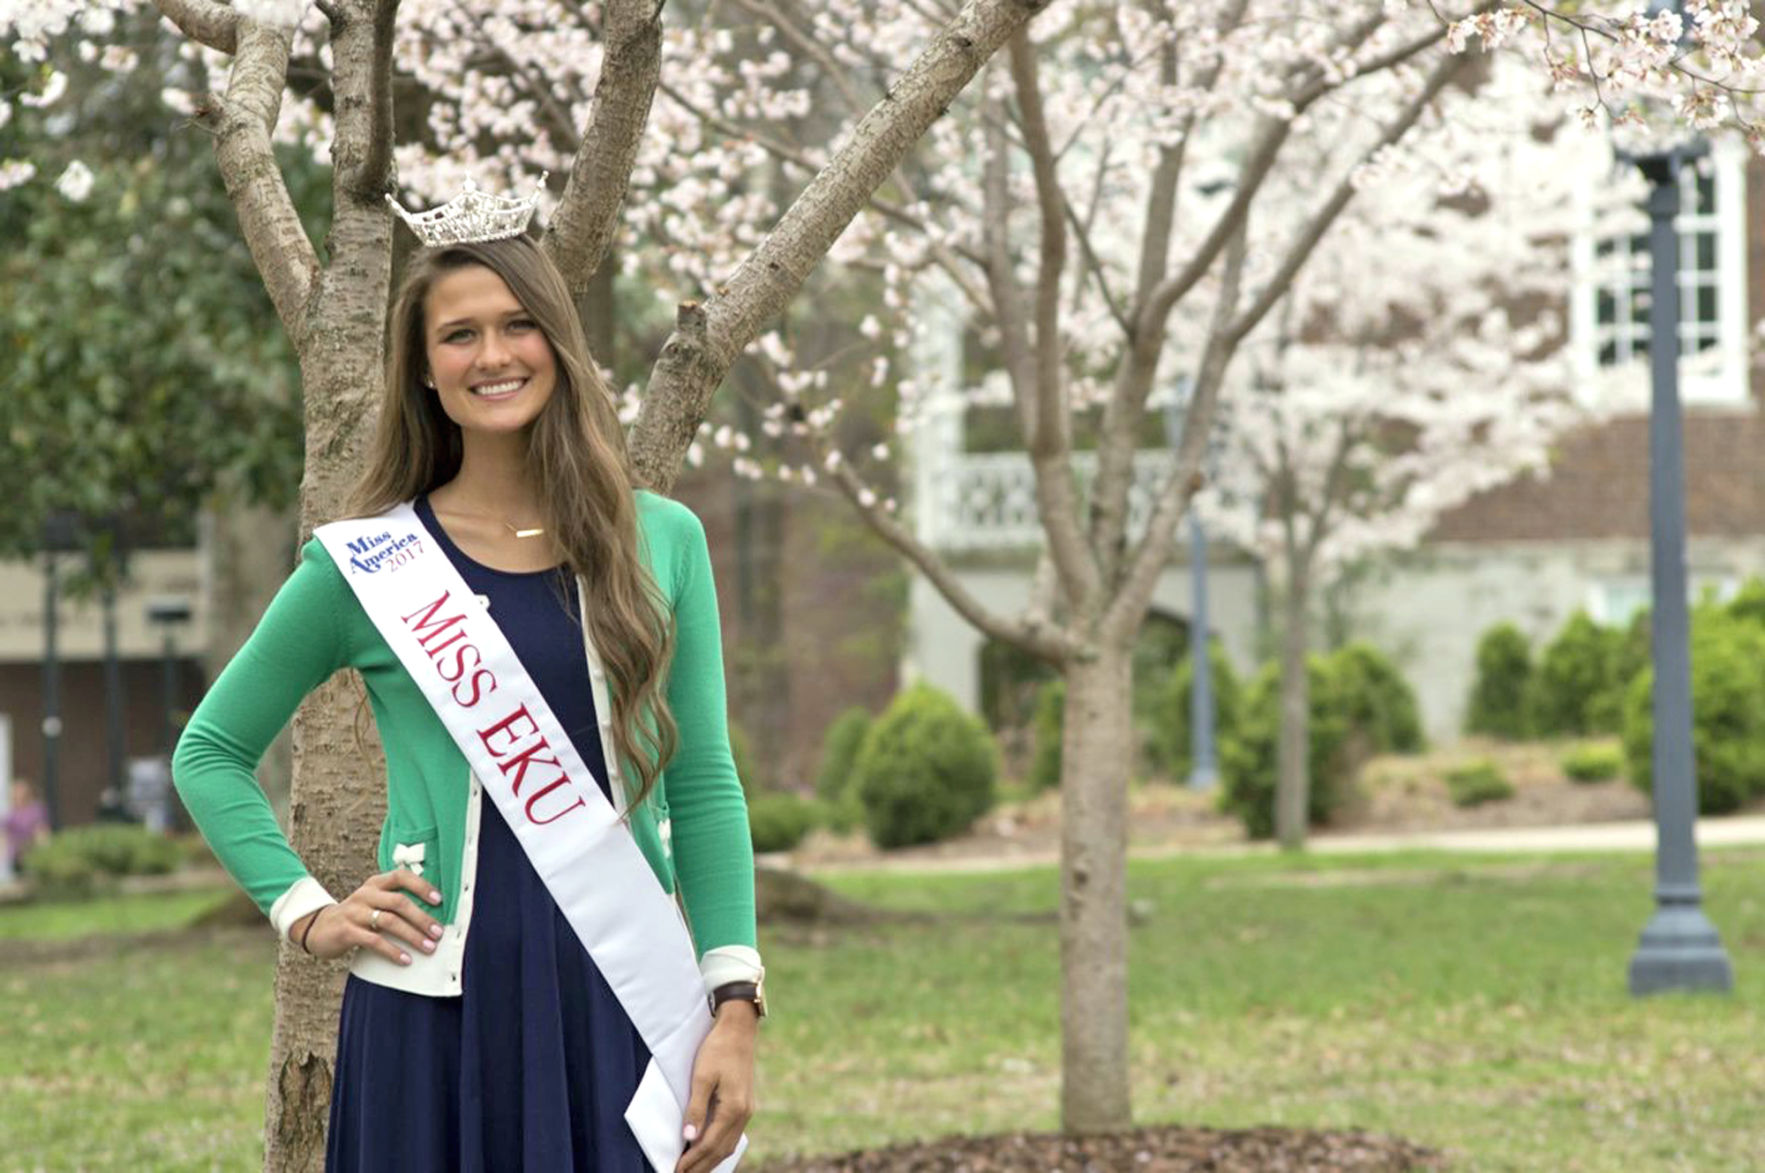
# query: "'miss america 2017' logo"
{"type": "Point", "coordinates": [384, 551]}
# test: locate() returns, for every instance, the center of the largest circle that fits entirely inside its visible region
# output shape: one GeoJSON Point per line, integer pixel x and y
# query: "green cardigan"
{"type": "Point", "coordinates": [315, 626]}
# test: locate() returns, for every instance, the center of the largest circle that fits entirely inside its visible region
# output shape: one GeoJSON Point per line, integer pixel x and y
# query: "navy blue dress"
{"type": "Point", "coordinates": [531, 1068]}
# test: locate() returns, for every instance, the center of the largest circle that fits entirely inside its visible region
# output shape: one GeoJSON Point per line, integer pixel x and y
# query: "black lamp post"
{"type": "Point", "coordinates": [167, 614]}
{"type": "Point", "coordinates": [108, 538]}
{"type": "Point", "coordinates": [60, 536]}
{"type": "Point", "coordinates": [1679, 948]}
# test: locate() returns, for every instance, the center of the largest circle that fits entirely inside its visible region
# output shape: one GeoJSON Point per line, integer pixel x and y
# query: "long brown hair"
{"type": "Point", "coordinates": [576, 453]}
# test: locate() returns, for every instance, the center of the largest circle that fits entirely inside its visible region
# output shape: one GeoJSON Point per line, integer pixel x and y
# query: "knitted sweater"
{"type": "Point", "coordinates": [693, 829]}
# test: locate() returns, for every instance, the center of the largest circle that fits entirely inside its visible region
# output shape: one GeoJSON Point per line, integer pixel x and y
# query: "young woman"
{"type": "Point", "coordinates": [515, 998]}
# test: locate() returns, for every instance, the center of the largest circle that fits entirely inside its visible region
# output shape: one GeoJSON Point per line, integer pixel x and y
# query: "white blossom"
{"type": "Point", "coordinates": [75, 182]}
{"type": "Point", "coordinates": [14, 172]}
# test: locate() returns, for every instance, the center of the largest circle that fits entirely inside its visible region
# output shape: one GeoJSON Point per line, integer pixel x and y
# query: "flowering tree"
{"type": "Point", "coordinates": [1416, 362]}
{"type": "Point", "coordinates": [351, 56]}
{"type": "Point", "coordinates": [1125, 197]}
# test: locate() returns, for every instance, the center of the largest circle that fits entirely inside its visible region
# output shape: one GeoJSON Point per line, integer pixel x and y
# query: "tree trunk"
{"type": "Point", "coordinates": [1097, 734]}
{"type": "Point", "coordinates": [338, 797]}
{"type": "Point", "coordinates": [339, 802]}
{"type": "Point", "coordinates": [248, 552]}
{"type": "Point", "coordinates": [1292, 772]}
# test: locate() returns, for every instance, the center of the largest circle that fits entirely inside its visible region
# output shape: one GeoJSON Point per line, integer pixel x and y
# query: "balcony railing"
{"type": "Point", "coordinates": [987, 501]}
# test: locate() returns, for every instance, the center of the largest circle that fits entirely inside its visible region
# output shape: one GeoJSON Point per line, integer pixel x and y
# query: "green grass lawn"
{"type": "Point", "coordinates": [1475, 1004]}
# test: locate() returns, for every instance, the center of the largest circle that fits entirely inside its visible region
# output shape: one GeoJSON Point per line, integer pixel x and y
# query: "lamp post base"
{"type": "Point", "coordinates": [1680, 951]}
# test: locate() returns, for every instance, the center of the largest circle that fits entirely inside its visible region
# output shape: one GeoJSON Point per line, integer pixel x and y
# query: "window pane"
{"type": "Point", "coordinates": [1609, 354]}
{"type": "Point", "coordinates": [1706, 260]}
{"type": "Point", "coordinates": [1706, 303]}
{"type": "Point", "coordinates": [1606, 308]}
{"type": "Point", "coordinates": [1706, 198]}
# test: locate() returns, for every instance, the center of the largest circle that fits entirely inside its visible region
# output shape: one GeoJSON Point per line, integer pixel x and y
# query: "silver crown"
{"type": "Point", "coordinates": [472, 215]}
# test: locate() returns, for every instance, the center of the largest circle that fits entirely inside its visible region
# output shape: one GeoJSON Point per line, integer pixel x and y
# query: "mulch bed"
{"type": "Point", "coordinates": [1167, 1149]}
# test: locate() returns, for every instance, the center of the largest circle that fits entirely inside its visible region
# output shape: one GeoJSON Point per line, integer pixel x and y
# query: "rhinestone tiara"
{"type": "Point", "coordinates": [472, 216]}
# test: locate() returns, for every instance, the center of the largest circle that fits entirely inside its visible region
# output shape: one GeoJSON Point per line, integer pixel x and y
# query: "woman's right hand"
{"type": "Point", "coordinates": [352, 924]}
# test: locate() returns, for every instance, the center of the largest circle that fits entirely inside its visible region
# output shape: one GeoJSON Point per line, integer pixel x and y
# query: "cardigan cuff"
{"type": "Point", "coordinates": [306, 895]}
{"type": "Point", "coordinates": [730, 963]}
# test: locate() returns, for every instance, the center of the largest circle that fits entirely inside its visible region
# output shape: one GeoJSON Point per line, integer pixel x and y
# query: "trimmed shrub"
{"type": "Point", "coordinates": [76, 862]}
{"type": "Point", "coordinates": [1728, 713]}
{"type": "Point", "coordinates": [1593, 763]}
{"type": "Point", "coordinates": [1049, 729]}
{"type": "Point", "coordinates": [1575, 687]}
{"type": "Point", "coordinates": [839, 757]}
{"type": "Point", "coordinates": [778, 822]}
{"type": "Point", "coordinates": [1374, 699]}
{"type": "Point", "coordinates": [1476, 783]}
{"type": "Point", "coordinates": [1359, 706]}
{"type": "Point", "coordinates": [926, 769]}
{"type": "Point", "coordinates": [1249, 761]}
{"type": "Point", "coordinates": [1749, 602]}
{"type": "Point", "coordinates": [1170, 743]}
{"type": "Point", "coordinates": [1498, 696]}
{"type": "Point", "coordinates": [1634, 654]}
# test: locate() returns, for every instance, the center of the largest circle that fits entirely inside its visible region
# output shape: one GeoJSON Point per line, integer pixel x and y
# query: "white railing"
{"type": "Point", "coordinates": [987, 501]}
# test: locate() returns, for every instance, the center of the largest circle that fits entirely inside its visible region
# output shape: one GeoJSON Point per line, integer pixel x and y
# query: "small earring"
{"type": "Point", "coordinates": [429, 382]}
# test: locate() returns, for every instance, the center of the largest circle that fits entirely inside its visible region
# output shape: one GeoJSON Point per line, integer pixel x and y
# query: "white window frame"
{"type": "Point", "coordinates": [1615, 601]}
{"type": "Point", "coordinates": [1717, 376]}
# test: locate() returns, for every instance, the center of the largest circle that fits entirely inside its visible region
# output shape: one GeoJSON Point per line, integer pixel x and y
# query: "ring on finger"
{"type": "Point", "coordinates": [374, 921]}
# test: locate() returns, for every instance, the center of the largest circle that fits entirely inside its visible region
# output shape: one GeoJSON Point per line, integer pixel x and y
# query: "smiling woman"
{"type": "Point", "coordinates": [501, 1011]}
{"type": "Point", "coordinates": [485, 349]}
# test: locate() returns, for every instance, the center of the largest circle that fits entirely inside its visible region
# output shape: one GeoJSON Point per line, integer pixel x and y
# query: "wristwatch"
{"type": "Point", "coordinates": [754, 992]}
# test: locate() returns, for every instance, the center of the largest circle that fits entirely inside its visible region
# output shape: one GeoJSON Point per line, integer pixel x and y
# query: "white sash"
{"type": "Point", "coordinates": [581, 848]}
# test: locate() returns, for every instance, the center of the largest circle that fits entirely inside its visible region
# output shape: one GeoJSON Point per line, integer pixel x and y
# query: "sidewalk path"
{"type": "Point", "coordinates": [1633, 835]}
{"type": "Point", "coordinates": [1636, 835]}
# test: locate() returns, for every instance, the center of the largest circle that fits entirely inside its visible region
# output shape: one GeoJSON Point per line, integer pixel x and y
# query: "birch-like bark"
{"type": "Point", "coordinates": [241, 123]}
{"type": "Point", "coordinates": [1096, 735]}
{"type": "Point", "coordinates": [694, 361]}
{"type": "Point", "coordinates": [337, 801]}
{"type": "Point", "coordinates": [204, 22]}
{"type": "Point", "coordinates": [587, 217]}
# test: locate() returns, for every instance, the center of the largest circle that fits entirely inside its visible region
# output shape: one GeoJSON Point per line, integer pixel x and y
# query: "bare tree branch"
{"type": "Point", "coordinates": [1030, 631]}
{"type": "Point", "coordinates": [204, 22]}
{"type": "Point", "coordinates": [836, 73]}
{"type": "Point", "coordinates": [363, 149]}
{"type": "Point", "coordinates": [1008, 308]}
{"type": "Point", "coordinates": [786, 153]}
{"type": "Point", "coordinates": [1140, 577]}
{"type": "Point", "coordinates": [693, 362]}
{"type": "Point", "coordinates": [1134, 377]}
{"type": "Point", "coordinates": [587, 216]}
{"type": "Point", "coordinates": [1050, 441]}
{"type": "Point", "coordinates": [241, 123]}
{"type": "Point", "coordinates": [558, 121]}
{"type": "Point", "coordinates": [1082, 229]}
{"type": "Point", "coordinates": [1306, 240]}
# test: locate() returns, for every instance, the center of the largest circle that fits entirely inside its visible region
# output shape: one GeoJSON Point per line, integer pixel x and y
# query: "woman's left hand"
{"type": "Point", "coordinates": [723, 1088]}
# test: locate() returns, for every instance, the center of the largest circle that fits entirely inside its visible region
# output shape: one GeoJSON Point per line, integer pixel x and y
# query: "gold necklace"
{"type": "Point", "coordinates": [530, 532]}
